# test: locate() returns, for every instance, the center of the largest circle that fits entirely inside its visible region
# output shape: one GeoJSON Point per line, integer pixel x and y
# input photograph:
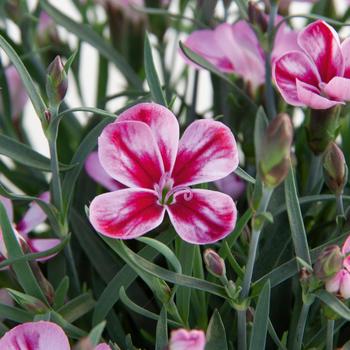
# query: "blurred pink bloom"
{"type": "Point", "coordinates": [95, 170]}
{"type": "Point", "coordinates": [142, 151]}
{"type": "Point", "coordinates": [236, 49]}
{"type": "Point", "coordinates": [42, 335]}
{"type": "Point", "coordinates": [31, 219]}
{"type": "Point", "coordinates": [18, 94]}
{"type": "Point", "coordinates": [181, 339]}
{"type": "Point", "coordinates": [232, 185]}
{"type": "Point", "coordinates": [340, 283]}
{"type": "Point", "coordinates": [318, 75]}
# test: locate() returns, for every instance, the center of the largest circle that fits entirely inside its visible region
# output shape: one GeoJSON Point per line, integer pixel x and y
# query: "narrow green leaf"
{"type": "Point", "coordinates": [169, 276]}
{"type": "Point", "coordinates": [162, 331]}
{"type": "Point", "coordinates": [23, 272]}
{"type": "Point", "coordinates": [261, 318]}
{"type": "Point", "coordinates": [71, 330]}
{"type": "Point", "coordinates": [96, 333]}
{"type": "Point", "coordinates": [61, 293]}
{"type": "Point", "coordinates": [295, 219]}
{"type": "Point", "coordinates": [151, 74]}
{"type": "Point", "coordinates": [32, 91]}
{"type": "Point", "coordinates": [334, 303]}
{"type": "Point", "coordinates": [216, 334]}
{"type": "Point", "coordinates": [244, 175]}
{"type": "Point", "coordinates": [87, 34]}
{"type": "Point", "coordinates": [25, 155]}
{"type": "Point", "coordinates": [77, 307]}
{"type": "Point", "coordinates": [14, 314]}
{"type": "Point", "coordinates": [183, 294]}
{"type": "Point", "coordinates": [140, 310]}
{"type": "Point", "coordinates": [125, 277]}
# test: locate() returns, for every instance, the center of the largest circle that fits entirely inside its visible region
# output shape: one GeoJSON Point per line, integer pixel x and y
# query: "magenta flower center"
{"type": "Point", "coordinates": [166, 191]}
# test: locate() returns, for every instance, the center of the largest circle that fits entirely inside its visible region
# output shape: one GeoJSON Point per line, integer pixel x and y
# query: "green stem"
{"type": "Point", "coordinates": [330, 333]}
{"type": "Point", "coordinates": [298, 340]}
{"type": "Point", "coordinates": [340, 205]}
{"type": "Point", "coordinates": [56, 189]}
{"type": "Point", "coordinates": [253, 246]}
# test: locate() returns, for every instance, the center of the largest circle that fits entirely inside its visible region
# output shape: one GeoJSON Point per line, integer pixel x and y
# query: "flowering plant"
{"type": "Point", "coordinates": [172, 172]}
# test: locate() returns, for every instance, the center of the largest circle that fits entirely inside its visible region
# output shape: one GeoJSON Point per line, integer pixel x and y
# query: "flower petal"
{"type": "Point", "coordinates": [102, 346]}
{"type": "Point", "coordinates": [345, 285]}
{"type": "Point", "coordinates": [205, 218]}
{"type": "Point", "coordinates": [310, 96]}
{"type": "Point", "coordinates": [181, 339]}
{"type": "Point", "coordinates": [242, 47]}
{"type": "Point", "coordinates": [33, 217]}
{"type": "Point", "coordinates": [39, 245]}
{"type": "Point", "coordinates": [204, 43]}
{"type": "Point", "coordinates": [346, 246]}
{"type": "Point", "coordinates": [95, 170]}
{"type": "Point", "coordinates": [338, 88]}
{"type": "Point", "coordinates": [127, 213]}
{"type": "Point", "coordinates": [40, 335]}
{"type": "Point", "coordinates": [8, 207]}
{"type": "Point", "coordinates": [345, 48]}
{"type": "Point", "coordinates": [333, 284]}
{"type": "Point", "coordinates": [129, 153]}
{"type": "Point", "coordinates": [321, 42]}
{"type": "Point", "coordinates": [164, 126]}
{"type": "Point", "coordinates": [290, 67]}
{"type": "Point", "coordinates": [207, 152]}
{"type": "Point", "coordinates": [232, 185]}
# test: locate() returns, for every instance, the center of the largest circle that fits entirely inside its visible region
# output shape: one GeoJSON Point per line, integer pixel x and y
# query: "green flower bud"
{"type": "Point", "coordinates": [322, 128]}
{"type": "Point", "coordinates": [276, 145]}
{"type": "Point", "coordinates": [56, 82]}
{"type": "Point", "coordinates": [214, 263]}
{"type": "Point", "coordinates": [257, 17]}
{"type": "Point", "coordinates": [329, 262]}
{"type": "Point", "coordinates": [334, 168]}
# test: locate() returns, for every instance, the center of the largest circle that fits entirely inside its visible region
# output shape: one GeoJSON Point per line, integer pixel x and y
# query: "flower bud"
{"type": "Point", "coordinates": [334, 168]}
{"type": "Point", "coordinates": [257, 17]}
{"type": "Point", "coordinates": [329, 262]}
{"type": "Point", "coordinates": [276, 145]}
{"type": "Point", "coordinates": [46, 33]}
{"type": "Point", "coordinates": [214, 263]}
{"type": "Point", "coordinates": [56, 82]}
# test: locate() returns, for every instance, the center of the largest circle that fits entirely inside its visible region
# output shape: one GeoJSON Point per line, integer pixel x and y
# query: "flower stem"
{"type": "Point", "coordinates": [330, 333]}
{"type": "Point", "coordinates": [253, 246]}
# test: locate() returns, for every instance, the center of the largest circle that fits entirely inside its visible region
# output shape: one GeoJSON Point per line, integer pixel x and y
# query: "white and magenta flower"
{"type": "Point", "coordinates": [235, 48]}
{"type": "Point", "coordinates": [42, 335]}
{"type": "Point", "coordinates": [181, 339]}
{"type": "Point", "coordinates": [143, 152]}
{"type": "Point", "coordinates": [317, 76]}
{"type": "Point", "coordinates": [31, 219]}
{"type": "Point", "coordinates": [340, 283]}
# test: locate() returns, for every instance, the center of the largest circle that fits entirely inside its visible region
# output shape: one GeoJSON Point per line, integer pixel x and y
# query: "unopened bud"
{"type": "Point", "coordinates": [322, 128]}
{"type": "Point", "coordinates": [274, 162]}
{"type": "Point", "coordinates": [56, 82]}
{"type": "Point", "coordinates": [214, 263]}
{"type": "Point", "coordinates": [329, 262]}
{"type": "Point", "coordinates": [46, 32]}
{"type": "Point", "coordinates": [161, 290]}
{"type": "Point", "coordinates": [334, 168]}
{"type": "Point", "coordinates": [13, 10]}
{"type": "Point", "coordinates": [257, 17]}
